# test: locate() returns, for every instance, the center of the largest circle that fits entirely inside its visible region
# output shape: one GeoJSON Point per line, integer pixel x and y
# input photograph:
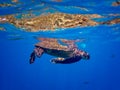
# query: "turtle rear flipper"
{"type": "Point", "coordinates": [66, 60]}
{"type": "Point", "coordinates": [56, 60]}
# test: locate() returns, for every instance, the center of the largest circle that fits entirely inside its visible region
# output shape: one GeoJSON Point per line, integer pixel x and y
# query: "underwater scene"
{"type": "Point", "coordinates": [60, 44]}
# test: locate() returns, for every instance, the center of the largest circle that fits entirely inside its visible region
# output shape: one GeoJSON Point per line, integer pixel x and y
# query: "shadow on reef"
{"type": "Point", "coordinates": [66, 50]}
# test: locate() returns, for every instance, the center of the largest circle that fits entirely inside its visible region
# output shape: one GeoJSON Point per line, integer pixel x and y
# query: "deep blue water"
{"type": "Point", "coordinates": [101, 72]}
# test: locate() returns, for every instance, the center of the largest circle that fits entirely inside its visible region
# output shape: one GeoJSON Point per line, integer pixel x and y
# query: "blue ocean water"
{"type": "Point", "coordinates": [101, 72]}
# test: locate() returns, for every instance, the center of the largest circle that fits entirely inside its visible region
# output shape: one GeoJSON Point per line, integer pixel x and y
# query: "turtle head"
{"type": "Point", "coordinates": [85, 55]}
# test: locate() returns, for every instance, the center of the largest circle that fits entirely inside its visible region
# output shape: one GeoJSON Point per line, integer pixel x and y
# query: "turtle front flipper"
{"type": "Point", "coordinates": [37, 52]}
{"type": "Point", "coordinates": [66, 60]}
{"type": "Point", "coordinates": [32, 57]}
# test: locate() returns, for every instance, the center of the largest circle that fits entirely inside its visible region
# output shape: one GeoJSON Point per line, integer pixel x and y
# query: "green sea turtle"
{"type": "Point", "coordinates": [65, 50]}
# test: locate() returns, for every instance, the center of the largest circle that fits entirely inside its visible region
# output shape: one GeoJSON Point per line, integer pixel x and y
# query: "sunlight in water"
{"type": "Point", "coordinates": [59, 44]}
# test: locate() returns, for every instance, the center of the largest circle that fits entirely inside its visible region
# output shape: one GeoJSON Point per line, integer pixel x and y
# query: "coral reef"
{"type": "Point", "coordinates": [15, 1]}
{"type": "Point", "coordinates": [93, 16]}
{"type": "Point", "coordinates": [2, 29]}
{"type": "Point", "coordinates": [110, 22]}
{"type": "Point", "coordinates": [5, 5]}
{"type": "Point", "coordinates": [50, 21]}
{"type": "Point", "coordinates": [117, 3]}
{"type": "Point", "coordinates": [54, 21]}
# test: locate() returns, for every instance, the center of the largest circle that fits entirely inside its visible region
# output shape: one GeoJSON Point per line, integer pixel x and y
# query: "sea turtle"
{"type": "Point", "coordinates": [65, 50]}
